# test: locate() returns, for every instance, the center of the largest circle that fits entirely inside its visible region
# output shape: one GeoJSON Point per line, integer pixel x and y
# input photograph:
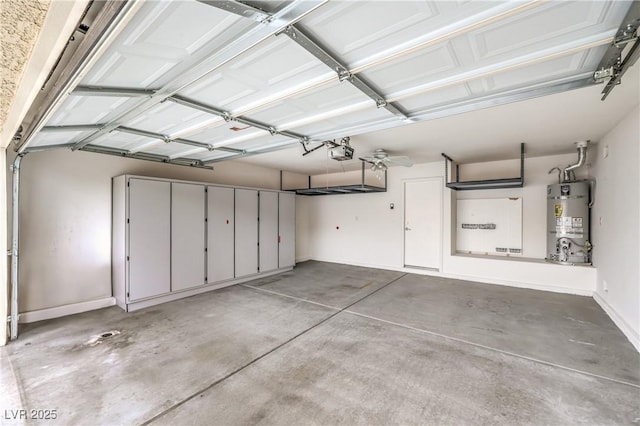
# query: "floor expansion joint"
{"type": "Point", "coordinates": [444, 336]}
{"type": "Point", "coordinates": [237, 370]}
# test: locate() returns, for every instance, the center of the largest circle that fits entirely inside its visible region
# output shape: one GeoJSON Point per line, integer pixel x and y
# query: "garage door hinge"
{"type": "Point", "coordinates": [601, 75]}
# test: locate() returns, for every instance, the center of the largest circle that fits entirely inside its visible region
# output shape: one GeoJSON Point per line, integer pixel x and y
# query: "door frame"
{"type": "Point", "coordinates": [440, 180]}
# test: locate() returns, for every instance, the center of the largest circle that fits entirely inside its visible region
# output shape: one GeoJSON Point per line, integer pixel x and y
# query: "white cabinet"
{"type": "Point", "coordinates": [246, 233]}
{"type": "Point", "coordinates": [149, 224]}
{"type": "Point", "coordinates": [286, 230]}
{"type": "Point", "coordinates": [268, 231]}
{"type": "Point", "coordinates": [187, 235]}
{"type": "Point", "coordinates": [173, 239]}
{"type": "Point", "coordinates": [220, 234]}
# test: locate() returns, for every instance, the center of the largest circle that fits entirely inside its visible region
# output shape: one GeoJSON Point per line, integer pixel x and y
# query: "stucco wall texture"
{"type": "Point", "coordinates": [20, 24]}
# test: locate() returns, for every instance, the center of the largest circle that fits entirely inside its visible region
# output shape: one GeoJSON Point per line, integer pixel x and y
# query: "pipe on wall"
{"type": "Point", "coordinates": [15, 242]}
{"type": "Point", "coordinates": [582, 156]}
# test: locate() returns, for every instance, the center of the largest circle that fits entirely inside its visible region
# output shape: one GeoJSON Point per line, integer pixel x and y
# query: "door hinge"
{"type": "Point", "coordinates": [601, 75]}
{"type": "Point", "coordinates": [128, 183]}
{"type": "Point", "coordinates": [205, 279]}
{"type": "Point", "coordinates": [206, 220]}
{"type": "Point", "coordinates": [128, 221]}
{"type": "Point", "coordinates": [205, 249]}
{"type": "Point", "coordinates": [127, 258]}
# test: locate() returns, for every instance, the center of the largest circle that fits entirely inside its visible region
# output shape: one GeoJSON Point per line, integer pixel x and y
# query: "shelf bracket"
{"type": "Point", "coordinates": [517, 182]}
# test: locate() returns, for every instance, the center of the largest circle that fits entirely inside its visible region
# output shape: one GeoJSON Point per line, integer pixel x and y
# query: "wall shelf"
{"type": "Point", "coordinates": [457, 185]}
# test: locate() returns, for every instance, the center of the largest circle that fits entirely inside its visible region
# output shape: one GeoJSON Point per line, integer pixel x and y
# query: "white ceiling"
{"type": "Point", "coordinates": [200, 63]}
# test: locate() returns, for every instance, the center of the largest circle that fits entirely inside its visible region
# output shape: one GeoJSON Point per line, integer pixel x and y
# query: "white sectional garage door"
{"type": "Point", "coordinates": [196, 82]}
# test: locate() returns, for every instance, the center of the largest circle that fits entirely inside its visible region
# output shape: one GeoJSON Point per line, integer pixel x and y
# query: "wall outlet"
{"type": "Point", "coordinates": [605, 151]}
{"type": "Point", "coordinates": [605, 286]}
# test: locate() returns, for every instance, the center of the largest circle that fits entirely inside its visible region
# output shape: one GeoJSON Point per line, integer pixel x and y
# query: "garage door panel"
{"type": "Point", "coordinates": [274, 66]}
{"type": "Point", "coordinates": [159, 40]}
{"type": "Point", "coordinates": [57, 137]}
{"type": "Point", "coordinates": [89, 109]}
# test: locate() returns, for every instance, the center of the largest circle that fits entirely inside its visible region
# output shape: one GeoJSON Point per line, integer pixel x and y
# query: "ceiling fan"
{"type": "Point", "coordinates": [380, 160]}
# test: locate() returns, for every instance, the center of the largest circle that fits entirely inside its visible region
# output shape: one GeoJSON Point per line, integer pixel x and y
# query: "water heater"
{"type": "Point", "coordinates": [568, 223]}
{"type": "Point", "coordinates": [568, 216]}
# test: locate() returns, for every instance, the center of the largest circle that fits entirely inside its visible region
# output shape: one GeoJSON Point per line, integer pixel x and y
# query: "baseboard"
{"type": "Point", "coordinates": [302, 259]}
{"type": "Point", "coordinates": [433, 273]}
{"type": "Point", "coordinates": [623, 325]}
{"type": "Point", "coordinates": [522, 284]}
{"type": "Point", "coordinates": [61, 311]}
{"type": "Point", "coordinates": [145, 303]}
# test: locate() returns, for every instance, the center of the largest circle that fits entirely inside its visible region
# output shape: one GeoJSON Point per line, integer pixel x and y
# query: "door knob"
{"type": "Point", "coordinates": [406, 228]}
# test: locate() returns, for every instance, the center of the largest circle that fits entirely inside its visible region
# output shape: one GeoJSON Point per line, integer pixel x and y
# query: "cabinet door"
{"type": "Point", "coordinates": [246, 233]}
{"type": "Point", "coordinates": [287, 230]}
{"type": "Point", "coordinates": [220, 234]}
{"type": "Point", "coordinates": [187, 236]}
{"type": "Point", "coordinates": [268, 235]}
{"type": "Point", "coordinates": [149, 238]}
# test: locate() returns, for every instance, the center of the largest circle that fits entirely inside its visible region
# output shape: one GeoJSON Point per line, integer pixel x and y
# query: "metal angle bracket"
{"type": "Point", "coordinates": [613, 66]}
{"type": "Point", "coordinates": [227, 116]}
{"type": "Point", "coordinates": [320, 52]}
{"type": "Point", "coordinates": [191, 162]}
{"type": "Point", "coordinates": [164, 138]}
{"type": "Point", "coordinates": [111, 91]}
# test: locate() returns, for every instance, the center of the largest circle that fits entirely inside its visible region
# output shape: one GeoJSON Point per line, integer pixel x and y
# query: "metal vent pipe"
{"type": "Point", "coordinates": [582, 156]}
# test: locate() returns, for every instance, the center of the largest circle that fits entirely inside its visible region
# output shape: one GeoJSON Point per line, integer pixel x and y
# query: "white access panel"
{"type": "Point", "coordinates": [220, 234]}
{"type": "Point", "coordinates": [287, 230]}
{"type": "Point", "coordinates": [423, 223]}
{"type": "Point", "coordinates": [187, 235]}
{"type": "Point", "coordinates": [149, 238]}
{"type": "Point", "coordinates": [246, 232]}
{"type": "Point", "coordinates": [489, 226]}
{"type": "Point", "coordinates": [268, 234]}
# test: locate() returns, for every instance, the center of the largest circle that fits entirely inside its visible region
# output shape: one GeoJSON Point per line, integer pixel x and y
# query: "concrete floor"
{"type": "Point", "coordinates": [329, 344]}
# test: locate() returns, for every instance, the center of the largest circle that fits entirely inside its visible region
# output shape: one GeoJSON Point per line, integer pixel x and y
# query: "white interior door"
{"type": "Point", "coordinates": [423, 223]}
{"type": "Point", "coordinates": [220, 234]}
{"type": "Point", "coordinates": [246, 233]}
{"type": "Point", "coordinates": [149, 238]}
{"type": "Point", "coordinates": [286, 230]}
{"type": "Point", "coordinates": [187, 236]}
{"type": "Point", "coordinates": [268, 231]}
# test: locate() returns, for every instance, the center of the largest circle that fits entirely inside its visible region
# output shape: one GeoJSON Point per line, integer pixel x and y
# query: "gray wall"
{"type": "Point", "coordinates": [615, 224]}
